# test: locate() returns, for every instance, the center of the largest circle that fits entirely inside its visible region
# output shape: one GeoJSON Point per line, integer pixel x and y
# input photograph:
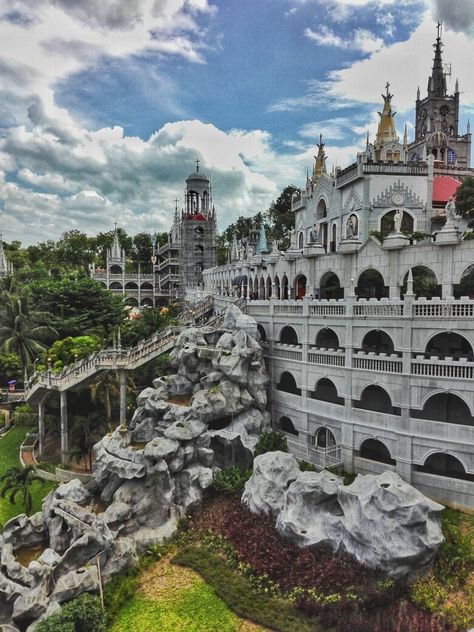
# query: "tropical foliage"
{"type": "Point", "coordinates": [16, 483]}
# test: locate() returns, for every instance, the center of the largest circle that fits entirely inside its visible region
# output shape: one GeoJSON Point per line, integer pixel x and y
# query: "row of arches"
{"type": "Point", "coordinates": [441, 346]}
{"type": "Point", "coordinates": [439, 463]}
{"type": "Point", "coordinates": [131, 286]}
{"type": "Point", "coordinates": [444, 407]}
{"type": "Point", "coordinates": [147, 302]}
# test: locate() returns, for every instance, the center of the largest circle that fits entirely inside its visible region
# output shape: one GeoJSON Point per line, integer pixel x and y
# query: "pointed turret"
{"type": "Point", "coordinates": [115, 251]}
{"type": "Point", "coordinates": [418, 94]}
{"type": "Point", "coordinates": [320, 164]}
{"type": "Point", "coordinates": [262, 246]}
{"type": "Point", "coordinates": [405, 138]}
{"type": "Point", "coordinates": [456, 86]}
{"type": "Point", "coordinates": [386, 132]}
{"type": "Point", "coordinates": [437, 85]}
{"type": "Point", "coordinates": [468, 127]}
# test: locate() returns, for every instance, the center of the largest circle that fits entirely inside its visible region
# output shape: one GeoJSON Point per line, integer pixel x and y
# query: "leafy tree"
{"type": "Point", "coordinates": [142, 248]}
{"type": "Point", "coordinates": [81, 614]}
{"type": "Point", "coordinates": [270, 442]}
{"type": "Point", "coordinates": [105, 392]}
{"type": "Point", "coordinates": [20, 333]}
{"type": "Point", "coordinates": [77, 306]}
{"type": "Point", "coordinates": [465, 198]}
{"type": "Point", "coordinates": [68, 350]}
{"type": "Point", "coordinates": [10, 368]}
{"type": "Point", "coordinates": [281, 217]}
{"type": "Point", "coordinates": [16, 481]}
{"type": "Point", "coordinates": [75, 248]}
{"type": "Point", "coordinates": [221, 250]}
{"type": "Point", "coordinates": [150, 321]}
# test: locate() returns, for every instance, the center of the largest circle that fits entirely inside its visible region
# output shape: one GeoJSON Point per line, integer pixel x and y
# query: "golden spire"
{"type": "Point", "coordinates": [320, 164]}
{"type": "Point", "coordinates": [386, 132]}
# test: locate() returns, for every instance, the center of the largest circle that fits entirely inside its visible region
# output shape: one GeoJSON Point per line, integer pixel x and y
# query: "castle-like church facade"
{"type": "Point", "coordinates": [367, 319]}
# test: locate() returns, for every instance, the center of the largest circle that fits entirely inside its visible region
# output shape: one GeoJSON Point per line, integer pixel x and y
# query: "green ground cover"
{"type": "Point", "coordinates": [9, 457]}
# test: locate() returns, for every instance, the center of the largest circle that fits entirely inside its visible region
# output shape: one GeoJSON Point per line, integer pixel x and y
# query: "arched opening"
{"type": "Point", "coordinates": [325, 229]}
{"type": "Point", "coordinates": [269, 287]}
{"type": "Point", "coordinates": [300, 286]}
{"type": "Point", "coordinates": [321, 210]}
{"type": "Point", "coordinates": [466, 285]}
{"type": "Point", "coordinates": [198, 249]}
{"type": "Point", "coordinates": [375, 398]}
{"type": "Point", "coordinates": [261, 291]}
{"type": "Point", "coordinates": [277, 287]}
{"type": "Point", "coordinates": [115, 270]}
{"type": "Point", "coordinates": [131, 286]}
{"type": "Point", "coordinates": [375, 450]}
{"type": "Point", "coordinates": [327, 339]}
{"type": "Point", "coordinates": [147, 286]}
{"type": "Point", "coordinates": [261, 331]}
{"type": "Point", "coordinates": [288, 336]}
{"type": "Point", "coordinates": [198, 232]}
{"type": "Point", "coordinates": [286, 425]}
{"type": "Point", "coordinates": [445, 407]}
{"type": "Point", "coordinates": [287, 384]}
{"type": "Point", "coordinates": [371, 285]}
{"type": "Point", "coordinates": [449, 345]}
{"type": "Point", "coordinates": [146, 302]}
{"type": "Point", "coordinates": [326, 391]}
{"type": "Point", "coordinates": [425, 283]}
{"type": "Point", "coordinates": [443, 464]}
{"type": "Point", "coordinates": [301, 240]}
{"type": "Point", "coordinates": [284, 288]}
{"type": "Point", "coordinates": [161, 302]}
{"type": "Point", "coordinates": [131, 302]}
{"type": "Point", "coordinates": [332, 245]}
{"type": "Point", "coordinates": [377, 341]}
{"type": "Point", "coordinates": [323, 439]}
{"type": "Point", "coordinates": [330, 286]}
{"type": "Point", "coordinates": [387, 223]}
{"type": "Point", "coordinates": [115, 285]}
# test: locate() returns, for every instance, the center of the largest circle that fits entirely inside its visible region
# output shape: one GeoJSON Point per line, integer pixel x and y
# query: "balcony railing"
{"type": "Point", "coordinates": [325, 457]}
{"type": "Point", "coordinates": [377, 362]}
{"type": "Point", "coordinates": [379, 309]}
{"type": "Point", "coordinates": [458, 369]}
{"type": "Point", "coordinates": [329, 357]}
{"type": "Point", "coordinates": [292, 307]}
{"type": "Point", "coordinates": [287, 352]}
{"type": "Point", "coordinates": [437, 308]}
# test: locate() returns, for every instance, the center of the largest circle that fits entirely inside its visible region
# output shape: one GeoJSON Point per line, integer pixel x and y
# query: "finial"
{"type": "Point", "coordinates": [456, 85]}
{"type": "Point", "coordinates": [197, 164]}
{"type": "Point", "coordinates": [409, 291]}
{"type": "Point", "coordinates": [439, 28]}
{"type": "Point", "coordinates": [418, 94]}
{"type": "Point", "coordinates": [367, 141]}
{"type": "Point", "coordinates": [320, 139]}
{"type": "Point", "coordinates": [387, 86]}
{"type": "Point", "coordinates": [468, 127]}
{"type": "Point", "coordinates": [115, 227]}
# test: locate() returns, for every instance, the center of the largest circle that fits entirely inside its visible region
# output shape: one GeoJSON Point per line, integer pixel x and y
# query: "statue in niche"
{"type": "Point", "coordinates": [450, 210]}
{"type": "Point", "coordinates": [292, 238]}
{"type": "Point", "coordinates": [314, 234]}
{"type": "Point", "coordinates": [352, 228]}
{"type": "Point", "coordinates": [397, 220]}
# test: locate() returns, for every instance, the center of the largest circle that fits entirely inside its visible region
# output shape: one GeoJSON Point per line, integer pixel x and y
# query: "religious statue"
{"type": "Point", "coordinates": [352, 229]}
{"type": "Point", "coordinates": [314, 234]}
{"type": "Point", "coordinates": [292, 238]}
{"type": "Point", "coordinates": [275, 246]}
{"type": "Point", "coordinates": [397, 220]}
{"type": "Point", "coordinates": [450, 210]}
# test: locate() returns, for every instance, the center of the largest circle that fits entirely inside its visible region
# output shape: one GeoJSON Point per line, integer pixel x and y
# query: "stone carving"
{"type": "Point", "coordinates": [314, 234]}
{"type": "Point", "coordinates": [381, 520]}
{"type": "Point", "coordinates": [208, 414]}
{"type": "Point", "coordinates": [451, 216]}
{"type": "Point", "coordinates": [402, 194]}
{"type": "Point", "coordinates": [397, 220]}
{"type": "Point", "coordinates": [352, 228]}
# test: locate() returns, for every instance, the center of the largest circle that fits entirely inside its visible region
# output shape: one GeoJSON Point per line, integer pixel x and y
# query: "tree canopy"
{"type": "Point", "coordinates": [465, 198]}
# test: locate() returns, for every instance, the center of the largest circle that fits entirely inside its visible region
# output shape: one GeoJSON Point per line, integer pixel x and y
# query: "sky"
{"type": "Point", "coordinates": [106, 104]}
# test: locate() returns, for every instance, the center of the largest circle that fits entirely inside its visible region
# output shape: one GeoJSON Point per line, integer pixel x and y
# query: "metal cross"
{"type": "Point", "coordinates": [197, 164]}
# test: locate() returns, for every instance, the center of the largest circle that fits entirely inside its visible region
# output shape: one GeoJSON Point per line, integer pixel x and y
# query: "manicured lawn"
{"type": "Point", "coordinates": [9, 451]}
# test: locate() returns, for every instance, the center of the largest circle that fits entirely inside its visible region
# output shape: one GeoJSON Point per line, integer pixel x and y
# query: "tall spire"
{"type": "Point", "coordinates": [437, 85]}
{"type": "Point", "coordinates": [262, 246]}
{"type": "Point", "coordinates": [320, 164]}
{"type": "Point", "coordinates": [116, 250]}
{"type": "Point", "coordinates": [386, 132]}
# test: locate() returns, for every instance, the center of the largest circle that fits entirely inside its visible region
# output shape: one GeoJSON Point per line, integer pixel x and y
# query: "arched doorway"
{"type": "Point", "coordinates": [284, 288]}
{"type": "Point", "coordinates": [466, 285]}
{"type": "Point", "coordinates": [288, 336]}
{"type": "Point", "coordinates": [115, 270]}
{"type": "Point", "coordinates": [377, 341]}
{"type": "Point", "coordinates": [300, 286]}
{"type": "Point", "coordinates": [277, 287]}
{"type": "Point", "coordinates": [330, 286]}
{"type": "Point", "coordinates": [442, 464]}
{"type": "Point", "coordinates": [375, 450]}
{"type": "Point", "coordinates": [269, 288]}
{"type": "Point", "coordinates": [327, 339]}
{"type": "Point", "coordinates": [371, 285]}
{"type": "Point", "coordinates": [375, 398]}
{"type": "Point", "coordinates": [445, 407]}
{"type": "Point", "coordinates": [261, 331]}
{"type": "Point", "coordinates": [326, 391]}
{"type": "Point", "coordinates": [323, 439]}
{"type": "Point", "coordinates": [286, 425]}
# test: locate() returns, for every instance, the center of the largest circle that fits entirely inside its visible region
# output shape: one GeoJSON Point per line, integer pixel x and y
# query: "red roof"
{"type": "Point", "coordinates": [444, 187]}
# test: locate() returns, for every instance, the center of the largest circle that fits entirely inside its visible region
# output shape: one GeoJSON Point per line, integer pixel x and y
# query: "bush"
{"type": "Point", "coordinates": [82, 614]}
{"type": "Point", "coordinates": [305, 466]}
{"type": "Point", "coordinates": [231, 480]}
{"type": "Point", "coordinates": [271, 442]}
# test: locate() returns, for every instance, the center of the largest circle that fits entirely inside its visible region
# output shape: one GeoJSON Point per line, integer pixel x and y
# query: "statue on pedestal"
{"type": "Point", "coordinates": [450, 210]}
{"type": "Point", "coordinates": [397, 220]}
{"type": "Point", "coordinates": [314, 234]}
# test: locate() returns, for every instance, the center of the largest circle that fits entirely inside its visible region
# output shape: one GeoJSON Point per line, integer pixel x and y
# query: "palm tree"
{"type": "Point", "coordinates": [82, 438]}
{"type": "Point", "coordinates": [17, 481]}
{"type": "Point", "coordinates": [19, 333]}
{"type": "Point", "coordinates": [106, 391]}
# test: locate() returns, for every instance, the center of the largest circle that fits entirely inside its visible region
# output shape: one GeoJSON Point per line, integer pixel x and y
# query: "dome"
{"type": "Point", "coordinates": [197, 175]}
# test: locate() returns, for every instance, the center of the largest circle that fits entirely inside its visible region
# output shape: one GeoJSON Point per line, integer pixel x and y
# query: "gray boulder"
{"type": "Point", "coordinates": [75, 583]}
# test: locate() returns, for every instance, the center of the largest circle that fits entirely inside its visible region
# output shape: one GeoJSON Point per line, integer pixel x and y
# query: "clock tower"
{"type": "Point", "coordinates": [437, 120]}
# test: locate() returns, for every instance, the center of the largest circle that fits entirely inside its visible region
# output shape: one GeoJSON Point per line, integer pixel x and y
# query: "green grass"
{"type": "Point", "coordinates": [192, 609]}
{"type": "Point", "coordinates": [9, 457]}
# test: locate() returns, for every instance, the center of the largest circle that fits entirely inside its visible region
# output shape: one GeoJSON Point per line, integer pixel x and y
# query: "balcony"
{"type": "Point", "coordinates": [287, 352]}
{"type": "Point", "coordinates": [460, 369]}
{"type": "Point", "coordinates": [380, 362]}
{"type": "Point", "coordinates": [328, 357]}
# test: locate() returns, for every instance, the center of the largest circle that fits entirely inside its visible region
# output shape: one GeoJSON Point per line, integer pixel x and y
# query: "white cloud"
{"type": "Point", "coordinates": [362, 39]}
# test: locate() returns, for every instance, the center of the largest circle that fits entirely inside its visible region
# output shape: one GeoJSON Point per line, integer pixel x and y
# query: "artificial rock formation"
{"type": "Point", "coordinates": [208, 414]}
{"type": "Point", "coordinates": [379, 519]}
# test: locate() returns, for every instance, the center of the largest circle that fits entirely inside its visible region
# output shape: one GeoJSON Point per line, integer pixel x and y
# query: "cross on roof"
{"type": "Point", "coordinates": [197, 164]}
{"type": "Point", "coordinates": [439, 28]}
{"type": "Point", "coordinates": [387, 87]}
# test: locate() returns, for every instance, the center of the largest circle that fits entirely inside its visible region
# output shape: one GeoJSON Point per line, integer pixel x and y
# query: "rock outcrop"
{"type": "Point", "coordinates": [208, 414]}
{"type": "Point", "coordinates": [379, 519]}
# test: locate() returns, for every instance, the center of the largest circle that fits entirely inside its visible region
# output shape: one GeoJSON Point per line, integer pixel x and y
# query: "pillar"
{"type": "Point", "coordinates": [64, 431]}
{"type": "Point", "coordinates": [123, 397]}
{"type": "Point", "coordinates": [41, 428]}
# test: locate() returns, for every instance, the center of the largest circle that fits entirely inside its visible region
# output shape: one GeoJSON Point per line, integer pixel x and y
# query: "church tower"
{"type": "Point", "coordinates": [437, 120]}
{"type": "Point", "coordinates": [198, 229]}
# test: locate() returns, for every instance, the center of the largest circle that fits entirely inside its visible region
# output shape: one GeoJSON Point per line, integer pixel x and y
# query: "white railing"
{"type": "Point", "coordinates": [329, 357]}
{"type": "Point", "coordinates": [325, 457]}
{"type": "Point", "coordinates": [380, 309]}
{"type": "Point", "coordinates": [437, 308]}
{"type": "Point", "coordinates": [459, 369]}
{"type": "Point", "coordinates": [378, 362]}
{"type": "Point", "coordinates": [288, 308]}
{"type": "Point", "coordinates": [288, 352]}
{"type": "Point", "coordinates": [327, 308]}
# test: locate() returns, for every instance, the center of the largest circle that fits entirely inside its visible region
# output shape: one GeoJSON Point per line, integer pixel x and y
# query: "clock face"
{"type": "Point", "coordinates": [398, 198]}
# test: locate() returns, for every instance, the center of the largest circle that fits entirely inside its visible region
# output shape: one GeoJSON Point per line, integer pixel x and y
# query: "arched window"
{"type": "Point", "coordinates": [288, 336]}
{"type": "Point", "coordinates": [300, 286]}
{"type": "Point", "coordinates": [286, 425]}
{"type": "Point", "coordinates": [116, 270]}
{"type": "Point", "coordinates": [466, 285]}
{"type": "Point", "coordinates": [199, 232]}
{"type": "Point", "coordinates": [284, 288]}
{"type": "Point", "coordinates": [131, 286]}
{"type": "Point", "coordinates": [287, 384]}
{"type": "Point", "coordinates": [131, 302]}
{"type": "Point", "coordinates": [333, 243]}
{"type": "Point", "coordinates": [371, 285]}
{"type": "Point", "coordinates": [261, 291]}
{"type": "Point", "coordinates": [301, 240]}
{"type": "Point", "coordinates": [445, 407]}
{"type": "Point", "coordinates": [330, 286]}
{"type": "Point", "coordinates": [269, 287]}
{"type": "Point", "coordinates": [375, 450]}
{"type": "Point", "coordinates": [261, 331]}
{"type": "Point", "coordinates": [375, 398]}
{"type": "Point", "coordinates": [146, 302]}
{"type": "Point", "coordinates": [277, 287]}
{"type": "Point", "coordinates": [198, 249]}
{"type": "Point", "coordinates": [326, 391]}
{"type": "Point", "coordinates": [327, 339]}
{"type": "Point", "coordinates": [425, 282]}
{"type": "Point", "coordinates": [449, 345]}
{"type": "Point", "coordinates": [115, 285]}
{"type": "Point", "coordinates": [443, 464]}
{"type": "Point", "coordinates": [323, 439]}
{"type": "Point", "coordinates": [377, 341]}
{"type": "Point", "coordinates": [147, 286]}
{"type": "Point", "coordinates": [321, 210]}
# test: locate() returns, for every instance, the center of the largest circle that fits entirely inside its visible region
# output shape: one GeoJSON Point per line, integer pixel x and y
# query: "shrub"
{"type": "Point", "coordinates": [306, 466]}
{"type": "Point", "coordinates": [82, 614]}
{"type": "Point", "coordinates": [270, 442]}
{"type": "Point", "coordinates": [455, 557]}
{"type": "Point", "coordinates": [119, 590]}
{"type": "Point", "coordinates": [231, 480]}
